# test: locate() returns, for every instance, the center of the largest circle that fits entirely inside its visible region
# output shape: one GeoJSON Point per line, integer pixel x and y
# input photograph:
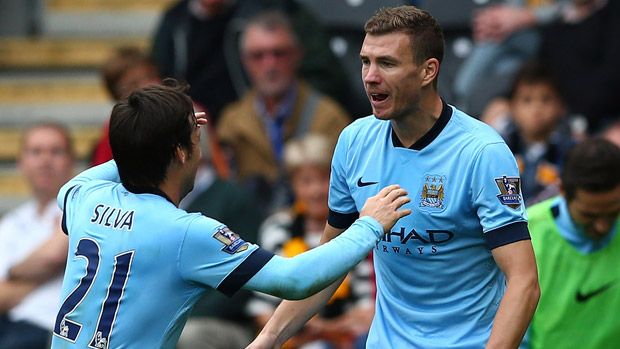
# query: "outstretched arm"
{"type": "Point", "coordinates": [290, 316]}
{"type": "Point", "coordinates": [515, 311]}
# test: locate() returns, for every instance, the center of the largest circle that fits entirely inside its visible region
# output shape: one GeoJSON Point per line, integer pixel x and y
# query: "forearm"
{"type": "Point", "coordinates": [44, 263]}
{"type": "Point", "coordinates": [291, 316]}
{"type": "Point", "coordinates": [12, 293]}
{"type": "Point", "coordinates": [515, 313]}
{"type": "Point", "coordinates": [305, 274]}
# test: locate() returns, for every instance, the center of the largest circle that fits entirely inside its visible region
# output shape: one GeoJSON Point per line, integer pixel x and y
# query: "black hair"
{"type": "Point", "coordinates": [592, 165]}
{"type": "Point", "coordinates": [147, 128]}
{"type": "Point", "coordinates": [534, 72]}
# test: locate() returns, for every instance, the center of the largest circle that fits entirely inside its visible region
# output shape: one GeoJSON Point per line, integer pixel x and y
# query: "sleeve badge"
{"type": "Point", "coordinates": [510, 191]}
{"type": "Point", "coordinates": [233, 243]}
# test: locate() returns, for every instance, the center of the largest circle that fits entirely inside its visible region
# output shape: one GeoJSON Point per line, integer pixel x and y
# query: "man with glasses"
{"type": "Point", "coordinates": [279, 106]}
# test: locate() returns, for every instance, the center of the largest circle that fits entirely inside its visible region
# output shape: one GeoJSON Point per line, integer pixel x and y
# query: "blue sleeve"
{"type": "Point", "coordinates": [106, 172]}
{"type": "Point", "coordinates": [340, 199]}
{"type": "Point", "coordinates": [307, 273]}
{"type": "Point", "coordinates": [214, 256]}
{"type": "Point", "coordinates": [68, 193]}
{"type": "Point", "coordinates": [497, 198]}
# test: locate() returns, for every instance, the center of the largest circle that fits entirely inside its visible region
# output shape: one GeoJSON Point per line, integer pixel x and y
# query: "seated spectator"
{"type": "Point", "coordinates": [216, 319]}
{"type": "Point", "coordinates": [583, 51]}
{"type": "Point", "coordinates": [346, 319]}
{"type": "Point", "coordinates": [536, 129]}
{"type": "Point", "coordinates": [127, 70]}
{"type": "Point", "coordinates": [279, 107]}
{"type": "Point", "coordinates": [576, 241]}
{"type": "Point", "coordinates": [506, 36]}
{"type": "Point", "coordinates": [29, 300]}
{"type": "Point", "coordinates": [196, 41]}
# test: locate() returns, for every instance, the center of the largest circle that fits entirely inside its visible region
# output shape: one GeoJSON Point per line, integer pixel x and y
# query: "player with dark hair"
{"type": "Point", "coordinates": [137, 263]}
{"type": "Point", "coordinates": [575, 238]}
{"type": "Point", "coordinates": [459, 272]}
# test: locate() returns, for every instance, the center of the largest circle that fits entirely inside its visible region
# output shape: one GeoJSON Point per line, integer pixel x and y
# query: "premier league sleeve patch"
{"type": "Point", "coordinates": [233, 243]}
{"type": "Point", "coordinates": [510, 191]}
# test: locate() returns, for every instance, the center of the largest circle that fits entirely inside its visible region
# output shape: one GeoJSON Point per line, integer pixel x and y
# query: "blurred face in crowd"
{"type": "Point", "coordinates": [215, 7]}
{"type": "Point", "coordinates": [270, 58]}
{"type": "Point", "coordinates": [46, 161]}
{"type": "Point", "coordinates": [596, 212]}
{"type": "Point", "coordinates": [392, 78]}
{"type": "Point", "coordinates": [536, 108]}
{"type": "Point", "coordinates": [311, 186]}
{"type": "Point", "coordinates": [137, 77]}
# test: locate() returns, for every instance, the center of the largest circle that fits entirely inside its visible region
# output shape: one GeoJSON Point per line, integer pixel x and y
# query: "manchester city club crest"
{"type": "Point", "coordinates": [433, 194]}
{"type": "Point", "coordinates": [510, 191]}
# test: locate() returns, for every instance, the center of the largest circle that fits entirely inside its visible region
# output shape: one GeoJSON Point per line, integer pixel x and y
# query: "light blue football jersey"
{"type": "Point", "coordinates": [438, 285]}
{"type": "Point", "coordinates": [137, 259]}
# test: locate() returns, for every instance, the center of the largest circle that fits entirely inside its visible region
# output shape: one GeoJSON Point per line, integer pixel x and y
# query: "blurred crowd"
{"type": "Point", "coordinates": [543, 73]}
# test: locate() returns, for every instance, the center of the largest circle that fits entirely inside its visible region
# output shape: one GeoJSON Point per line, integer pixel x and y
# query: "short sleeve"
{"type": "Point", "coordinates": [341, 204]}
{"type": "Point", "coordinates": [497, 198]}
{"type": "Point", "coordinates": [213, 255]}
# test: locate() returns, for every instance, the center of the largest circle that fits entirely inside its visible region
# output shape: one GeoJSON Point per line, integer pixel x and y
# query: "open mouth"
{"type": "Point", "coordinates": [378, 97]}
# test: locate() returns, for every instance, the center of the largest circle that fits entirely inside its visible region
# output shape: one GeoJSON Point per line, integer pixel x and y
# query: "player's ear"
{"type": "Point", "coordinates": [180, 154]}
{"type": "Point", "coordinates": [429, 71]}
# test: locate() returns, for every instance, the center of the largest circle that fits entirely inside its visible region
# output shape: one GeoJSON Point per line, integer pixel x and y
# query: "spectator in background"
{"type": "Point", "coordinates": [583, 50]}
{"type": "Point", "coordinates": [536, 129]}
{"type": "Point", "coordinates": [29, 301]}
{"type": "Point", "coordinates": [297, 229]}
{"type": "Point", "coordinates": [218, 321]}
{"type": "Point", "coordinates": [505, 37]}
{"type": "Point", "coordinates": [196, 41]}
{"type": "Point", "coordinates": [279, 107]}
{"type": "Point", "coordinates": [130, 69]}
{"type": "Point", "coordinates": [127, 70]}
{"type": "Point", "coordinates": [612, 133]}
{"type": "Point", "coordinates": [575, 239]}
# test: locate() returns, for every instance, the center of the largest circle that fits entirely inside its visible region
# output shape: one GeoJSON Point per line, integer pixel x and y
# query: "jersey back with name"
{"type": "Point", "coordinates": [136, 266]}
{"type": "Point", "coordinates": [437, 283]}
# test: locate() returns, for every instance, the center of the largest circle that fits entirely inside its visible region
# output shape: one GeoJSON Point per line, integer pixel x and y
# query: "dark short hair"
{"type": "Point", "coordinates": [424, 31]}
{"type": "Point", "coordinates": [534, 72]}
{"type": "Point", "coordinates": [592, 165]}
{"type": "Point", "coordinates": [147, 128]}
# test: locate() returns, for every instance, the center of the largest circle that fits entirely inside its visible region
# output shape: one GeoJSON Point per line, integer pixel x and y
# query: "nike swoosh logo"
{"type": "Point", "coordinates": [583, 297]}
{"type": "Point", "coordinates": [363, 184]}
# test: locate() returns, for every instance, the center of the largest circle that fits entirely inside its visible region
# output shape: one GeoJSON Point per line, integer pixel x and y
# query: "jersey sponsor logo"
{"type": "Point", "coordinates": [428, 242]}
{"type": "Point", "coordinates": [432, 194]}
{"type": "Point", "coordinates": [112, 217]}
{"type": "Point", "coordinates": [584, 297]}
{"type": "Point", "coordinates": [510, 191]}
{"type": "Point", "coordinates": [233, 243]}
{"type": "Point", "coordinates": [360, 183]}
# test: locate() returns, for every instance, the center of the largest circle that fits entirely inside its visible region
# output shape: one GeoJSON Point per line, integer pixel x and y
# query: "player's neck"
{"type": "Point", "coordinates": [410, 128]}
{"type": "Point", "coordinates": [172, 189]}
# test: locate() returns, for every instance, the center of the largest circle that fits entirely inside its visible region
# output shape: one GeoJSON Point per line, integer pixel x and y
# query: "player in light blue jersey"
{"type": "Point", "coordinates": [137, 263]}
{"type": "Point", "coordinates": [459, 272]}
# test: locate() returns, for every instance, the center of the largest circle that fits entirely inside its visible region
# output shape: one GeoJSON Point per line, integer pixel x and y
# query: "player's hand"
{"type": "Point", "coordinates": [385, 206]}
{"type": "Point", "coordinates": [201, 118]}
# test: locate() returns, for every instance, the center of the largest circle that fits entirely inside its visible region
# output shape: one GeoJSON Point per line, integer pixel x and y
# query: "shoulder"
{"type": "Point", "coordinates": [237, 111]}
{"type": "Point", "coordinates": [480, 133]}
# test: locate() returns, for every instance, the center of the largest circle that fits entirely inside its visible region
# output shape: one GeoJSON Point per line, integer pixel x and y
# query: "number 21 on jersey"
{"type": "Point", "coordinates": [70, 330]}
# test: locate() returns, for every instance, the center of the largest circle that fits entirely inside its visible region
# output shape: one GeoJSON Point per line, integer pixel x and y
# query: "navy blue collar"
{"type": "Point", "coordinates": [148, 190]}
{"type": "Point", "coordinates": [440, 124]}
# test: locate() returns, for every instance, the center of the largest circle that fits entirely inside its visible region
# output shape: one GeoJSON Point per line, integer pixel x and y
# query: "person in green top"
{"type": "Point", "coordinates": [577, 247]}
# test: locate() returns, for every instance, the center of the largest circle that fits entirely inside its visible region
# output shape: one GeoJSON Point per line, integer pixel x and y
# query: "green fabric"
{"type": "Point", "coordinates": [561, 321]}
{"type": "Point", "coordinates": [227, 203]}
